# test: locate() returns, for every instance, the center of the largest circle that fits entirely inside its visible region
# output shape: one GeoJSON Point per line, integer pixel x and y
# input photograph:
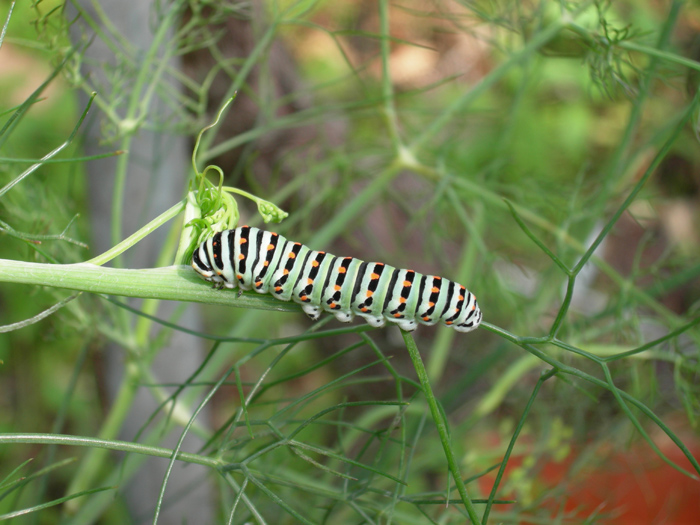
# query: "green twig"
{"type": "Point", "coordinates": [440, 423]}
{"type": "Point", "coordinates": [176, 283]}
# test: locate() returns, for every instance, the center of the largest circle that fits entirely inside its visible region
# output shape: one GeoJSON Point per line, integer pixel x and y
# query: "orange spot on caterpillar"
{"type": "Point", "coordinates": [406, 284]}
{"type": "Point", "coordinates": [292, 255]}
{"type": "Point", "coordinates": [285, 272]}
{"type": "Point", "coordinates": [243, 241]}
{"type": "Point", "coordinates": [435, 289]}
{"type": "Point", "coordinates": [314, 264]}
{"type": "Point", "coordinates": [309, 281]}
{"type": "Point", "coordinates": [336, 288]}
{"type": "Point", "coordinates": [241, 256]}
{"type": "Point", "coordinates": [258, 283]}
{"type": "Point", "coordinates": [426, 318]}
{"type": "Point", "coordinates": [461, 298]}
{"type": "Point", "coordinates": [436, 278]}
{"type": "Point", "coordinates": [402, 300]}
{"type": "Point", "coordinates": [266, 263]}
{"type": "Point", "coordinates": [332, 305]}
{"type": "Point", "coordinates": [431, 304]}
{"type": "Point", "coordinates": [303, 298]}
{"type": "Point", "coordinates": [473, 307]}
{"type": "Point", "coordinates": [270, 247]}
{"type": "Point", "coordinates": [239, 277]}
{"type": "Point", "coordinates": [448, 322]}
{"type": "Point", "coordinates": [342, 270]}
{"type": "Point", "coordinates": [398, 316]}
{"type": "Point", "coordinates": [375, 276]}
{"type": "Point", "coordinates": [278, 289]}
{"type": "Point", "coordinates": [370, 293]}
{"type": "Point", "coordinates": [363, 309]}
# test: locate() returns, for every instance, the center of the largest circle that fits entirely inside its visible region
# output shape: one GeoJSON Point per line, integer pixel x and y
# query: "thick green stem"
{"type": "Point", "coordinates": [174, 283]}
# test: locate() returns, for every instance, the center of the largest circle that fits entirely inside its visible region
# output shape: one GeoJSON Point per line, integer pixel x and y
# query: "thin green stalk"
{"type": "Point", "coordinates": [142, 233]}
{"type": "Point", "coordinates": [45, 160]}
{"type": "Point", "coordinates": [511, 444]}
{"type": "Point", "coordinates": [352, 209]}
{"type": "Point", "coordinates": [61, 416]}
{"type": "Point", "coordinates": [440, 423]}
{"type": "Point", "coordinates": [97, 456]}
{"type": "Point", "coordinates": [58, 501]}
{"type": "Point", "coordinates": [109, 444]}
{"type": "Point", "coordinates": [49, 155]}
{"type": "Point", "coordinates": [622, 282]}
{"type": "Point", "coordinates": [22, 109]}
{"type": "Point", "coordinates": [387, 85]}
{"type": "Point", "coordinates": [176, 451]}
{"type": "Point", "coordinates": [140, 96]}
{"type": "Point", "coordinates": [564, 369]}
{"type": "Point", "coordinates": [651, 344]}
{"type": "Point", "coordinates": [663, 55]}
{"type": "Point", "coordinates": [137, 102]}
{"type": "Point", "coordinates": [615, 167]}
{"type": "Point", "coordinates": [207, 153]}
{"type": "Point", "coordinates": [455, 109]}
{"type": "Point", "coordinates": [6, 24]}
{"type": "Point", "coordinates": [690, 110]}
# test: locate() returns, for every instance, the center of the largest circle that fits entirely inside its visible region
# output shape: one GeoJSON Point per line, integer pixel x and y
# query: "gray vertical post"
{"type": "Point", "coordinates": [159, 164]}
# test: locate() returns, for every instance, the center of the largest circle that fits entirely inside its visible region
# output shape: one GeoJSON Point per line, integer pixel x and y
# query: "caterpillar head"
{"type": "Point", "coordinates": [201, 265]}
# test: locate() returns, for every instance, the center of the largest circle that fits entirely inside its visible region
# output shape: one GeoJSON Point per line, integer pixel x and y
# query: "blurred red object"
{"type": "Point", "coordinates": [634, 487]}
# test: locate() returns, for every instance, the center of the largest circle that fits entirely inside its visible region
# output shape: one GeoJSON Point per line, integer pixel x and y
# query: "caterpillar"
{"type": "Point", "coordinates": [254, 259]}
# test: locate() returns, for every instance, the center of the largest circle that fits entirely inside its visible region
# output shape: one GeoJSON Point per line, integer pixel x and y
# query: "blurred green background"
{"type": "Point", "coordinates": [395, 132]}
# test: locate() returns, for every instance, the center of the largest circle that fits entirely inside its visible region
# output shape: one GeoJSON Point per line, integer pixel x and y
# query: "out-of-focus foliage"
{"type": "Point", "coordinates": [543, 153]}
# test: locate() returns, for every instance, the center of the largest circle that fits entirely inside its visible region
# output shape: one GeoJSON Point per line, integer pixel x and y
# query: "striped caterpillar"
{"type": "Point", "coordinates": [253, 259]}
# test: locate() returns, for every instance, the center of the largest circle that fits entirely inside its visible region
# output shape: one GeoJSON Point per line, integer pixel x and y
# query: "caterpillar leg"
{"type": "Point", "coordinates": [314, 312]}
{"type": "Point", "coordinates": [376, 322]}
{"type": "Point", "coordinates": [407, 325]}
{"type": "Point", "coordinates": [343, 317]}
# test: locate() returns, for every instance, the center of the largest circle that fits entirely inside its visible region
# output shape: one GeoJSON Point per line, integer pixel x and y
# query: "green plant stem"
{"type": "Point", "coordinates": [529, 346]}
{"type": "Point", "coordinates": [141, 94]}
{"type": "Point", "coordinates": [49, 155]}
{"type": "Point", "coordinates": [491, 198]}
{"type": "Point", "coordinates": [387, 85]}
{"type": "Point", "coordinates": [492, 496]}
{"type": "Point", "coordinates": [348, 212]}
{"type": "Point", "coordinates": [253, 58]}
{"type": "Point", "coordinates": [455, 109]}
{"type": "Point", "coordinates": [6, 24]}
{"type": "Point", "coordinates": [123, 446]}
{"type": "Point", "coordinates": [139, 100]}
{"type": "Point", "coordinates": [175, 283]}
{"type": "Point", "coordinates": [140, 234]}
{"type": "Point", "coordinates": [440, 423]}
{"type": "Point", "coordinates": [663, 55]}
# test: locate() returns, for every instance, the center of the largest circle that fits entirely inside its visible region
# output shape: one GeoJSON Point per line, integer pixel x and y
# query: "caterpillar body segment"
{"type": "Point", "coordinates": [252, 259]}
